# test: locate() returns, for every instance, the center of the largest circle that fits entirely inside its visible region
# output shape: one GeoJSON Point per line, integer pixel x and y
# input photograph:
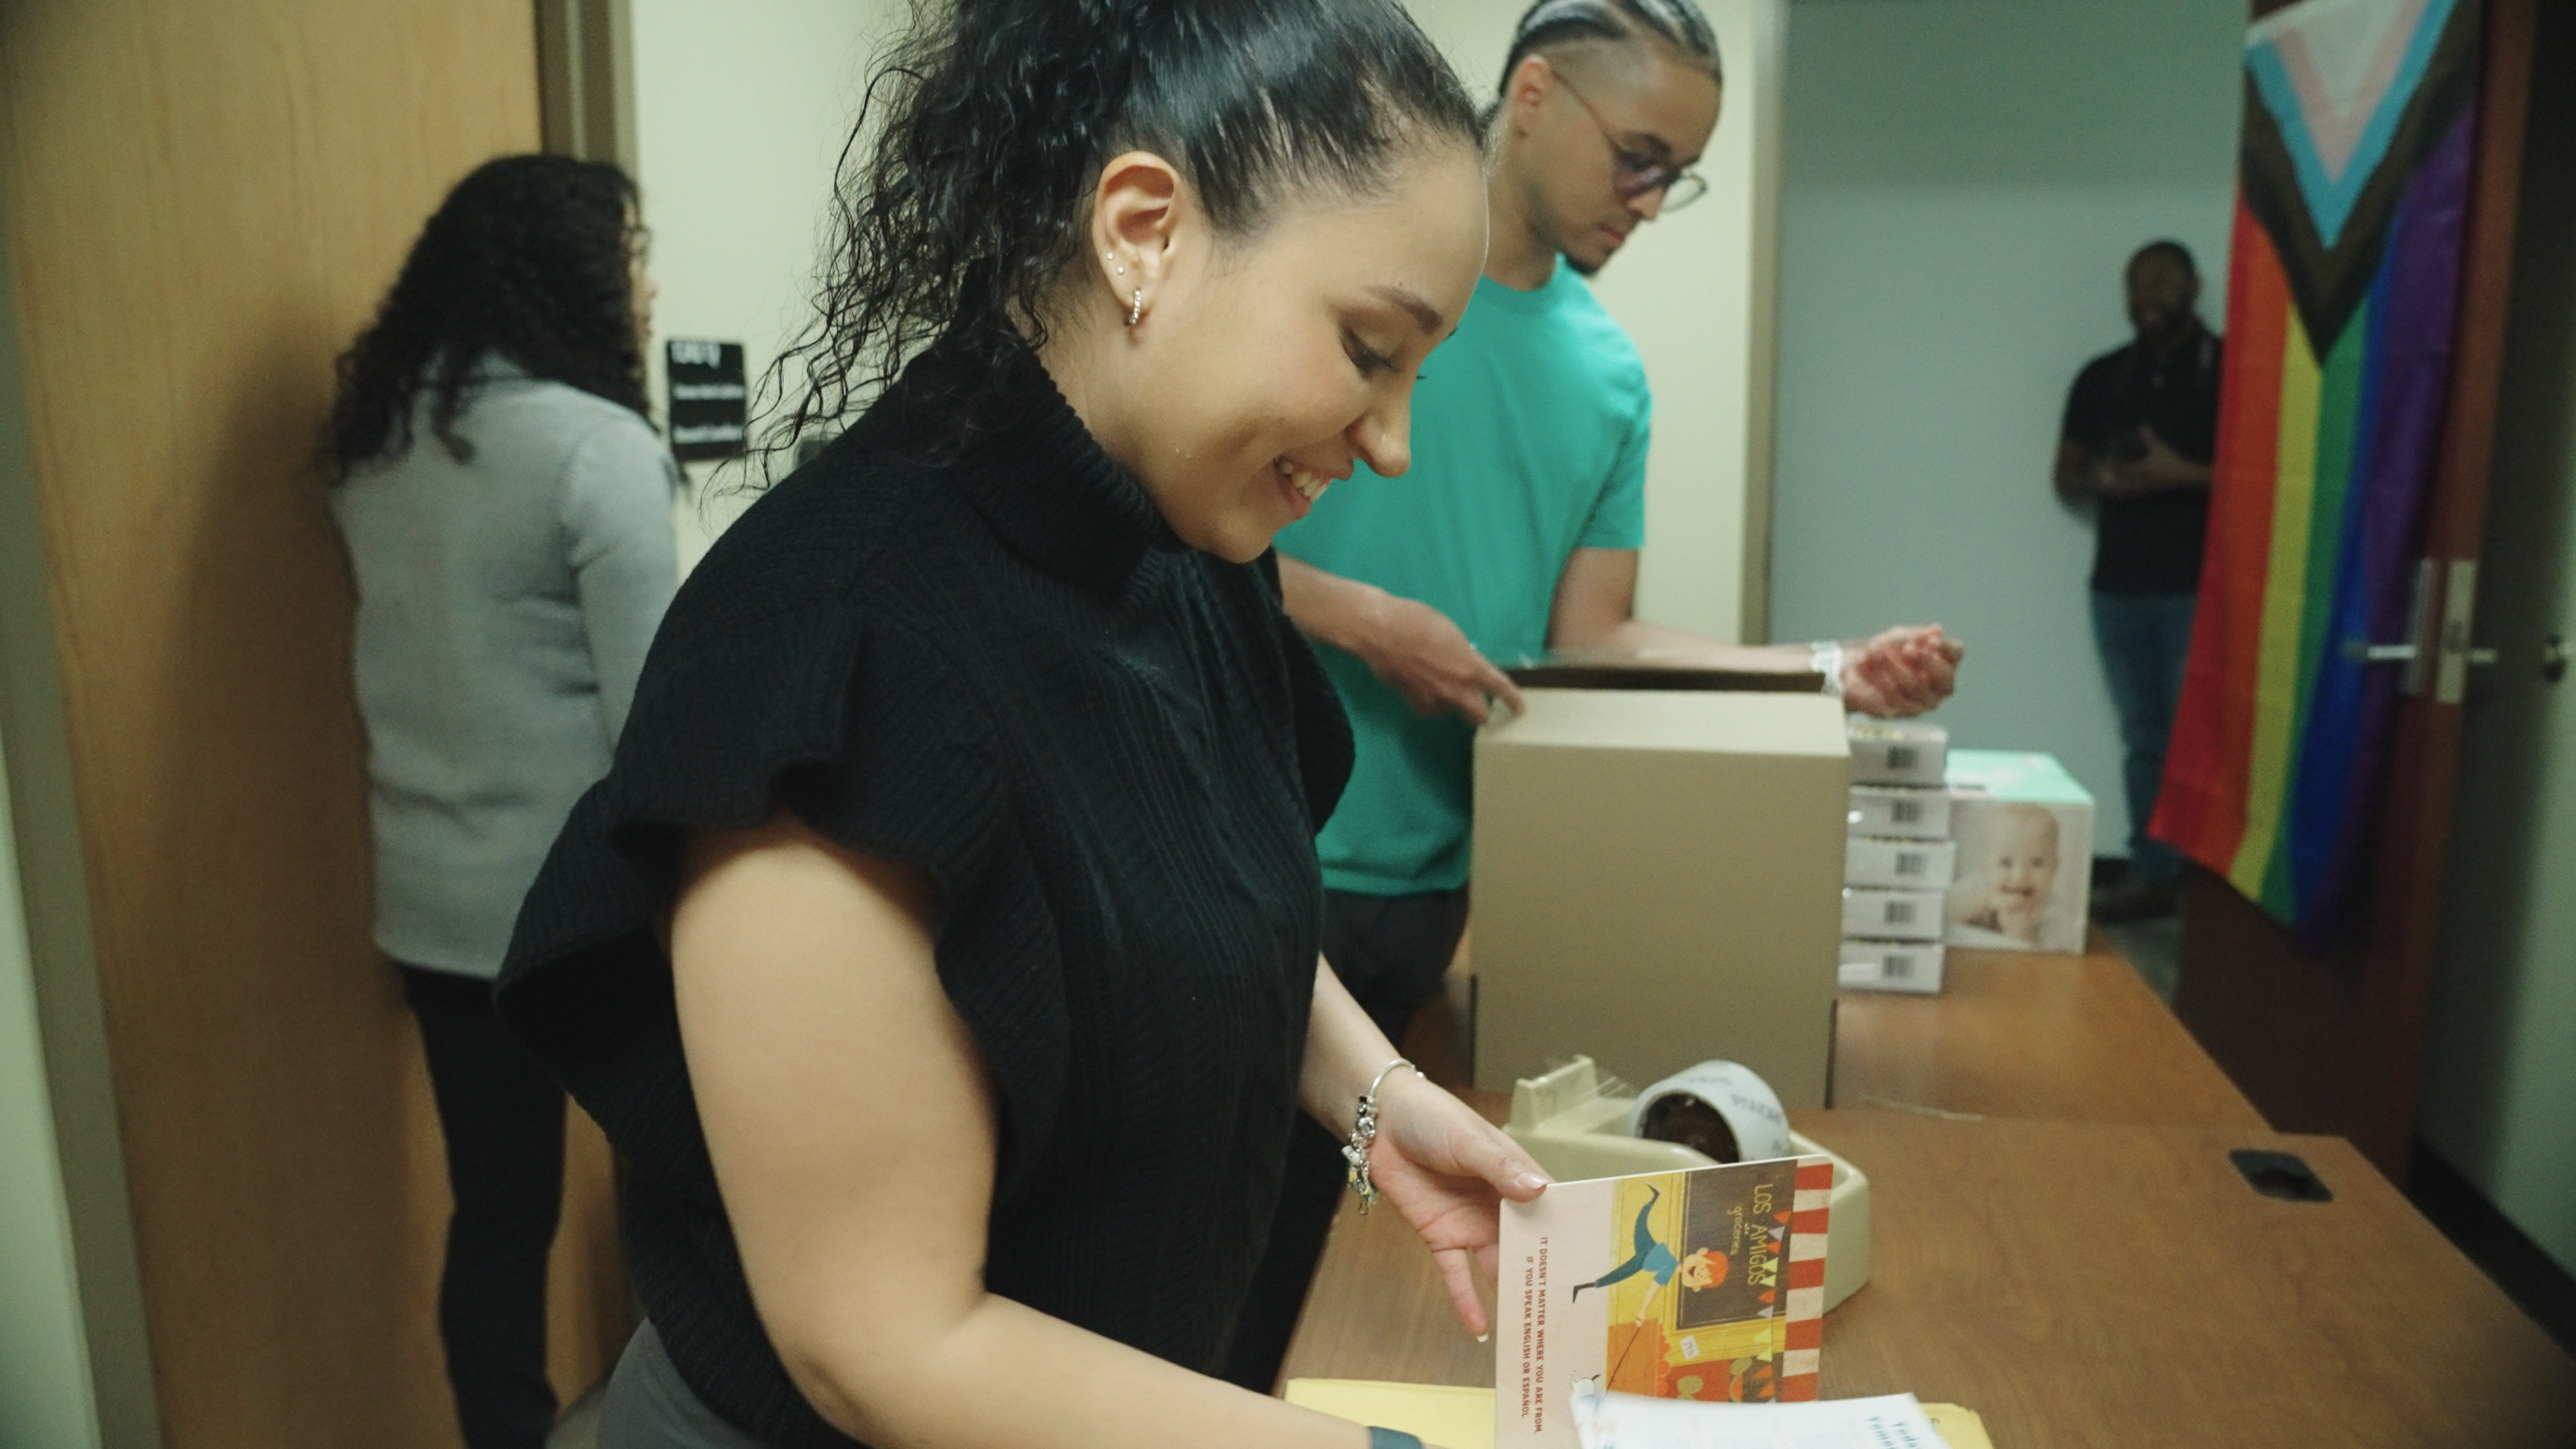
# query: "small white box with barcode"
{"type": "Point", "coordinates": [1892, 915]}
{"type": "Point", "coordinates": [1891, 966]}
{"type": "Point", "coordinates": [1891, 752]}
{"type": "Point", "coordinates": [1905, 864]}
{"type": "Point", "coordinates": [1908, 812]}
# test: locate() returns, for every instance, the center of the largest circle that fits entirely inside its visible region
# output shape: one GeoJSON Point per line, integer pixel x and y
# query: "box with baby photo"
{"type": "Point", "coordinates": [2025, 835]}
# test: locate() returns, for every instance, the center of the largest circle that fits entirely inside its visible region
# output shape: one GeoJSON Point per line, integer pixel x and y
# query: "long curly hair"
{"type": "Point", "coordinates": [529, 258]}
{"type": "Point", "coordinates": [962, 194]}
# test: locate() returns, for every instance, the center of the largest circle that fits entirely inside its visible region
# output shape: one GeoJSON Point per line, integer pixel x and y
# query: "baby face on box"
{"type": "Point", "coordinates": [2008, 875]}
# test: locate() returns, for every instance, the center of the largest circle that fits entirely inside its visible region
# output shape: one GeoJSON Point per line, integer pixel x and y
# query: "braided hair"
{"type": "Point", "coordinates": [527, 258]}
{"type": "Point", "coordinates": [963, 193]}
{"type": "Point", "coordinates": [1677, 23]}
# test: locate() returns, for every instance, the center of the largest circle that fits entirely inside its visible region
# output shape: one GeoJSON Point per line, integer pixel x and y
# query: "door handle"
{"type": "Point", "coordinates": [2445, 665]}
{"type": "Point", "coordinates": [2552, 657]}
{"type": "Point", "coordinates": [2410, 653]}
{"type": "Point", "coordinates": [2459, 607]}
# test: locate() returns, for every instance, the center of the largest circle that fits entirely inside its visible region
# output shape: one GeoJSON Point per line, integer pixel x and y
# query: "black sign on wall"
{"type": "Point", "coordinates": [707, 398]}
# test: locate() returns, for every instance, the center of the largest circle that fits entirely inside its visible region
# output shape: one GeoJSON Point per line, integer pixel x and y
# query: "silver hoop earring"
{"type": "Point", "coordinates": [1136, 307]}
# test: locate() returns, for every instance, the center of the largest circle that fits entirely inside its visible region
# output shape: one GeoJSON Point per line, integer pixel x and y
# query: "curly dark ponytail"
{"type": "Point", "coordinates": [528, 257]}
{"type": "Point", "coordinates": [961, 195]}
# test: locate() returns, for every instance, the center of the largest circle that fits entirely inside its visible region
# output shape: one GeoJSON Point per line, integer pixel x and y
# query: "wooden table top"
{"type": "Point", "coordinates": [2032, 1034]}
{"type": "Point", "coordinates": [2088, 1283]}
{"type": "Point", "coordinates": [2060, 1242]}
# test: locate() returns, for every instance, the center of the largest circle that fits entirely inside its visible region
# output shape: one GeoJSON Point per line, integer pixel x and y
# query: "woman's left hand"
{"type": "Point", "coordinates": [1446, 1170]}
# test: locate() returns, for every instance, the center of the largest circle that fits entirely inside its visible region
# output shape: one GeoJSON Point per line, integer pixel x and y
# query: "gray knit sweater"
{"type": "Point", "coordinates": [504, 607]}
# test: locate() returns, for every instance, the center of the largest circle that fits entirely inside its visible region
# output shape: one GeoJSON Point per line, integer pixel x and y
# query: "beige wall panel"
{"type": "Point", "coordinates": [205, 201]}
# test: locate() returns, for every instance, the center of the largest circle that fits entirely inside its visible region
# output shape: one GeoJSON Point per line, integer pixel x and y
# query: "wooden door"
{"type": "Point", "coordinates": [2498, 1074]}
{"type": "Point", "coordinates": [204, 199]}
{"type": "Point", "coordinates": [2334, 1041]}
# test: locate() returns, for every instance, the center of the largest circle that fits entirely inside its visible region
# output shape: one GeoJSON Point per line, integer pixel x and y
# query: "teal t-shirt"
{"type": "Point", "coordinates": [1529, 442]}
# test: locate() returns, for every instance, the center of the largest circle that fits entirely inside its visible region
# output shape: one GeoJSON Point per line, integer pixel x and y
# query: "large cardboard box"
{"type": "Point", "coordinates": [1658, 881]}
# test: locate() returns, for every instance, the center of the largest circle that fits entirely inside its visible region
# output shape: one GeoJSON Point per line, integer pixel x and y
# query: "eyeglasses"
{"type": "Point", "coordinates": [1640, 173]}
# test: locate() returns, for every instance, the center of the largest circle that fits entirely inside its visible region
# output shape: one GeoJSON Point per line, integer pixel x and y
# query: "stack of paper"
{"type": "Point", "coordinates": [1451, 1418]}
{"type": "Point", "coordinates": [1608, 1420]}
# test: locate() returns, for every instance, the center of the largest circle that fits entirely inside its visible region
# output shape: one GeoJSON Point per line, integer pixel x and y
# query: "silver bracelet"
{"type": "Point", "coordinates": [1826, 657]}
{"type": "Point", "coordinates": [1364, 1132]}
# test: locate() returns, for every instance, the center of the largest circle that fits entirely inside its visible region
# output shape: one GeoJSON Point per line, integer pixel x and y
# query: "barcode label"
{"type": "Point", "coordinates": [1905, 812]}
{"type": "Point", "coordinates": [1897, 968]}
{"type": "Point", "coordinates": [1908, 863]}
{"type": "Point", "coordinates": [1901, 757]}
{"type": "Point", "coordinates": [1899, 913]}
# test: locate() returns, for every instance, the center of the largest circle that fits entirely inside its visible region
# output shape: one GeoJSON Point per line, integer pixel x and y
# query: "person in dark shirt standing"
{"type": "Point", "coordinates": [2141, 427]}
{"type": "Point", "coordinates": [942, 950]}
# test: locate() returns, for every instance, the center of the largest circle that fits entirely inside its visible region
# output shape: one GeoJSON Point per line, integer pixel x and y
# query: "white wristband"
{"type": "Point", "coordinates": [1826, 657]}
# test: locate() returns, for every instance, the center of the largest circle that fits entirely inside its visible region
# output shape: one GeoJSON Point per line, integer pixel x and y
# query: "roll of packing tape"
{"type": "Point", "coordinates": [1744, 1103]}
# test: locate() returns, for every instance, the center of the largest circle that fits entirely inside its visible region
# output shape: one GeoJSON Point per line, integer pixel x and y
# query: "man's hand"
{"type": "Point", "coordinates": [1423, 656]}
{"type": "Point", "coordinates": [1903, 671]}
{"type": "Point", "coordinates": [1415, 648]}
{"type": "Point", "coordinates": [2159, 470]}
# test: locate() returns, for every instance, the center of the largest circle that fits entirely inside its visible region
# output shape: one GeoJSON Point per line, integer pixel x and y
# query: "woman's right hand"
{"type": "Point", "coordinates": [1447, 1171]}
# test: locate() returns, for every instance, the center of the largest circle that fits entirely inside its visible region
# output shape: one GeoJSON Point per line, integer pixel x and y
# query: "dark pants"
{"type": "Point", "coordinates": [1393, 953]}
{"type": "Point", "coordinates": [503, 1118]}
{"type": "Point", "coordinates": [2144, 639]}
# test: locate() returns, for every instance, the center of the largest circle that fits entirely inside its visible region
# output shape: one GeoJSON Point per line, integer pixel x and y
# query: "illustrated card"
{"type": "Point", "coordinates": [1706, 1284]}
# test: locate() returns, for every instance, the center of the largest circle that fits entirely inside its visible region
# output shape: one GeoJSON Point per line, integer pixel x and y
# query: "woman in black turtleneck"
{"type": "Point", "coordinates": [940, 952]}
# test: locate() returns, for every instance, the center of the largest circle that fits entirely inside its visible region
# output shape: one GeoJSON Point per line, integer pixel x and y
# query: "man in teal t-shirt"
{"type": "Point", "coordinates": [1515, 531]}
{"type": "Point", "coordinates": [1517, 528]}
{"type": "Point", "coordinates": [1529, 441]}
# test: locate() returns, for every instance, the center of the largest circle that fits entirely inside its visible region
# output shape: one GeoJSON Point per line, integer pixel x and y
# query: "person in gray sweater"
{"type": "Point", "coordinates": [507, 512]}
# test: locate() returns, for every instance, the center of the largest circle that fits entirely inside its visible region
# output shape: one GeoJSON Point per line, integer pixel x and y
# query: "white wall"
{"type": "Point", "coordinates": [1964, 182]}
{"type": "Point", "coordinates": [741, 109]}
{"type": "Point", "coordinates": [1685, 290]}
{"type": "Point", "coordinates": [44, 1355]}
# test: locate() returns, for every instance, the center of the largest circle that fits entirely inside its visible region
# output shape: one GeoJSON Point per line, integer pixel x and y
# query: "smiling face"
{"type": "Point", "coordinates": [1261, 368]}
{"type": "Point", "coordinates": [2021, 852]}
{"type": "Point", "coordinates": [1571, 126]}
{"type": "Point", "coordinates": [2163, 296]}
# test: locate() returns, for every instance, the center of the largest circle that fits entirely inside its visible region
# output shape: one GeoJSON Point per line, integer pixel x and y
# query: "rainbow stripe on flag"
{"type": "Point", "coordinates": [2343, 283]}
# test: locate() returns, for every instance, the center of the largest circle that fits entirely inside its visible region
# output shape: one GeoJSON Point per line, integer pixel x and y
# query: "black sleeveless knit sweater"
{"type": "Point", "coordinates": [1110, 752]}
